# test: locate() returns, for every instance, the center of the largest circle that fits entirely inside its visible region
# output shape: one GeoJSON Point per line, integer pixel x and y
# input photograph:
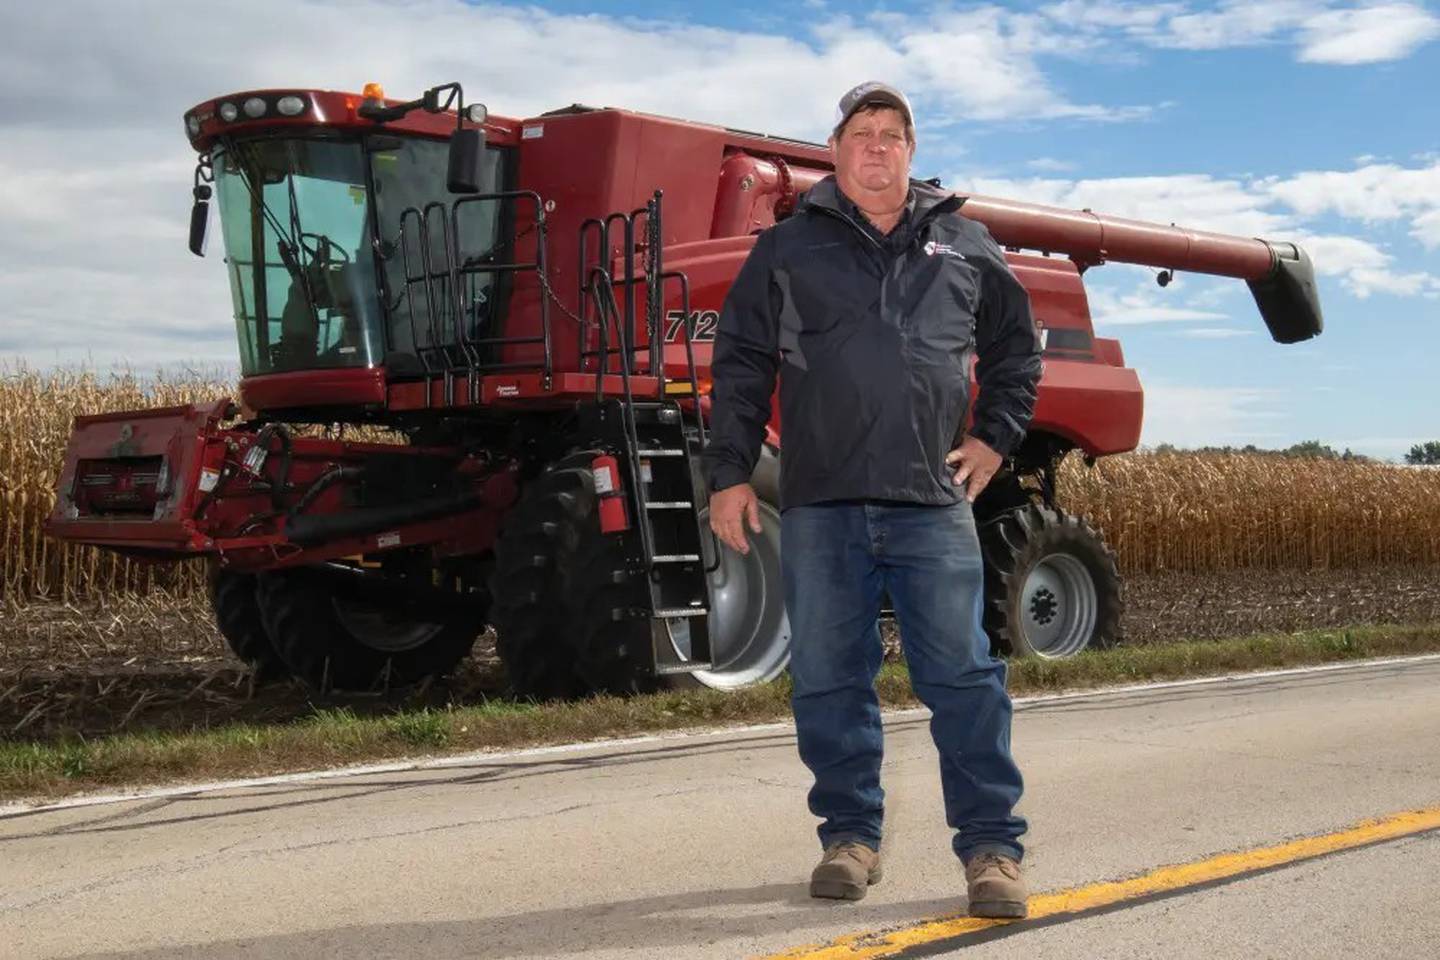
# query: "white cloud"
{"type": "Point", "coordinates": [1131, 17]}
{"type": "Point", "coordinates": [1364, 268]}
{"type": "Point", "coordinates": [721, 75]}
{"type": "Point", "coordinates": [1389, 31]}
{"type": "Point", "coordinates": [1110, 309]}
{"type": "Point", "coordinates": [1196, 416]}
{"type": "Point", "coordinates": [1050, 165]}
{"type": "Point", "coordinates": [1426, 228]}
{"type": "Point", "coordinates": [1321, 31]}
{"type": "Point", "coordinates": [1233, 24]}
{"type": "Point", "coordinates": [1375, 192]}
{"type": "Point", "coordinates": [1364, 281]}
{"type": "Point", "coordinates": [1215, 333]}
{"type": "Point", "coordinates": [982, 63]}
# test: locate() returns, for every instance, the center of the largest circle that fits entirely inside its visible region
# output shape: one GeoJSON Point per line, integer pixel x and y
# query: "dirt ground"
{"type": "Point", "coordinates": [156, 666]}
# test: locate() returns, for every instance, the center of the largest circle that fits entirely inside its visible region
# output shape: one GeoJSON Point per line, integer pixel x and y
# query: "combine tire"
{"type": "Point", "coordinates": [1051, 585]}
{"type": "Point", "coordinates": [531, 626]}
{"type": "Point", "coordinates": [565, 596]}
{"type": "Point", "coordinates": [611, 647]}
{"type": "Point", "coordinates": [749, 631]}
{"type": "Point", "coordinates": [237, 616]}
{"type": "Point", "coordinates": [332, 639]}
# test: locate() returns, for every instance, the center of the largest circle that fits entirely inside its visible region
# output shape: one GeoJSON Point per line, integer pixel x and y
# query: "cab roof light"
{"type": "Point", "coordinates": [372, 98]}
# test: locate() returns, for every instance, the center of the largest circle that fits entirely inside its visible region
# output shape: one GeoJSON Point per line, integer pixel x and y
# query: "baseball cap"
{"type": "Point", "coordinates": [872, 92]}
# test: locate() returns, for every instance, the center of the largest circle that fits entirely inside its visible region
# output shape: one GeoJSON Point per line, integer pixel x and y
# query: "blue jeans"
{"type": "Point", "coordinates": [837, 558]}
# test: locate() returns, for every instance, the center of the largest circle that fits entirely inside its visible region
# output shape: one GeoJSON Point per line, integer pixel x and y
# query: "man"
{"type": "Point", "coordinates": [873, 297]}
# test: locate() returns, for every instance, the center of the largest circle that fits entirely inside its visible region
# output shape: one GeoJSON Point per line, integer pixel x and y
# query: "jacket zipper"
{"type": "Point", "coordinates": [855, 226]}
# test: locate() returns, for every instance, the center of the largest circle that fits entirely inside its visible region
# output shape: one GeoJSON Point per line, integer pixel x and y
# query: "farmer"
{"type": "Point", "coordinates": [871, 300]}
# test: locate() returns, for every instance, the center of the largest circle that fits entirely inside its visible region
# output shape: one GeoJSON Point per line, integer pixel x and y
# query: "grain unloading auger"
{"type": "Point", "coordinates": [1279, 275]}
{"type": "Point", "coordinates": [527, 307]}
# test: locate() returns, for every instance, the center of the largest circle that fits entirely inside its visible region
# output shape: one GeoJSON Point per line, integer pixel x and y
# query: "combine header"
{"type": "Point", "coordinates": [525, 310]}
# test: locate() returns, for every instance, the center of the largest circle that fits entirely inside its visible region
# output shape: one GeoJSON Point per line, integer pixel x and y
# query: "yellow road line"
{"type": "Point", "coordinates": [1165, 880]}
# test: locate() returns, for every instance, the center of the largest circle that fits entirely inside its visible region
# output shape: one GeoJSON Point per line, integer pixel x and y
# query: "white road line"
{"type": "Point", "coordinates": [440, 763]}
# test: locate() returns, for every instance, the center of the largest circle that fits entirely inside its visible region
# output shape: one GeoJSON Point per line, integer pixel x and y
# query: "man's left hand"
{"type": "Point", "coordinates": [975, 464]}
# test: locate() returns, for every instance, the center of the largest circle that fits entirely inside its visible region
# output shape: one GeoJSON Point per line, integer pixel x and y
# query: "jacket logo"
{"type": "Point", "coordinates": [932, 248]}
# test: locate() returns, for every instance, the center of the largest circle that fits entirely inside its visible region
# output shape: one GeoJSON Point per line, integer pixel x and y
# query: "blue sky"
{"type": "Point", "coordinates": [1299, 119]}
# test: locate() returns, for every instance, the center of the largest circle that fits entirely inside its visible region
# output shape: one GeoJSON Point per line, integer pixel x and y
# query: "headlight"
{"type": "Point", "coordinates": [290, 106]}
{"type": "Point", "coordinates": [255, 107]}
{"type": "Point", "coordinates": [192, 125]}
{"type": "Point", "coordinates": [228, 112]}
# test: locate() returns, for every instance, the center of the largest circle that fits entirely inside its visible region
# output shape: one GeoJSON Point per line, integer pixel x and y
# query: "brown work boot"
{"type": "Point", "coordinates": [996, 888]}
{"type": "Point", "coordinates": [846, 869]}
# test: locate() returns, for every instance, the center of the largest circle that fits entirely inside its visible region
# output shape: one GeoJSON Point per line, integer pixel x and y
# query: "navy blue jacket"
{"type": "Point", "coordinates": [872, 337]}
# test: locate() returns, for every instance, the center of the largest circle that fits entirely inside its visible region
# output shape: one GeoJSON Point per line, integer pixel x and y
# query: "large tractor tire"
{"type": "Point", "coordinates": [749, 630]}
{"type": "Point", "coordinates": [611, 648]}
{"type": "Point", "coordinates": [532, 624]}
{"type": "Point", "coordinates": [1052, 587]}
{"type": "Point", "coordinates": [335, 637]}
{"type": "Point", "coordinates": [237, 616]}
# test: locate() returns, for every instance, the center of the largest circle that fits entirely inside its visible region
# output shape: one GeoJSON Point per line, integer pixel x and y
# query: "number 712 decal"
{"type": "Point", "coordinates": [703, 330]}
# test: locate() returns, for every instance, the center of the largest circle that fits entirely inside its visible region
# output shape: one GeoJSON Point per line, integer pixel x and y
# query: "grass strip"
{"type": "Point", "coordinates": [333, 737]}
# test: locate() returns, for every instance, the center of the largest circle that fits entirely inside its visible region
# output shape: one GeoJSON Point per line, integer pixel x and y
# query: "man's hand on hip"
{"type": "Point", "coordinates": [729, 509]}
{"type": "Point", "coordinates": [975, 464]}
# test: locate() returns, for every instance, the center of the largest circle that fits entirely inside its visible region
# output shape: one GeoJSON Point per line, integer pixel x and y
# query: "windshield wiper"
{"type": "Point", "coordinates": [297, 238]}
{"type": "Point", "coordinates": [285, 241]}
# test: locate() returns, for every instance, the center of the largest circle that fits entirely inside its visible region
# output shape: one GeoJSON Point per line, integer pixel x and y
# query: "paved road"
{"type": "Point", "coordinates": [698, 846]}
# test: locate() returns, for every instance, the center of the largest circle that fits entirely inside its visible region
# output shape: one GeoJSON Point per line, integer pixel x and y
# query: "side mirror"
{"type": "Point", "coordinates": [467, 160]}
{"type": "Point", "coordinates": [200, 220]}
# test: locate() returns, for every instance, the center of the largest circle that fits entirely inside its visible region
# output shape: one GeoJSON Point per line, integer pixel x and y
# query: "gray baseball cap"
{"type": "Point", "coordinates": [872, 92]}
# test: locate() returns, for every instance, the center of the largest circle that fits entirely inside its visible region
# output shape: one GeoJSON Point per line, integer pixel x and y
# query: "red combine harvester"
{"type": "Point", "coordinates": [506, 300]}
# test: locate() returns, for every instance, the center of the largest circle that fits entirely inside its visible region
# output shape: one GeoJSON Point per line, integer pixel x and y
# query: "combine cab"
{"type": "Point", "coordinates": [522, 313]}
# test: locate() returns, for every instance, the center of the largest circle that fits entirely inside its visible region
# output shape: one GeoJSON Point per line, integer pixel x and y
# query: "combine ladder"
{"type": "Point", "coordinates": [660, 448]}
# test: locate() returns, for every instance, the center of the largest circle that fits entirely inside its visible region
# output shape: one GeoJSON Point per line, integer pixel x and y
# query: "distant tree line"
{"type": "Point", "coordinates": [1310, 449]}
{"type": "Point", "coordinates": [1427, 453]}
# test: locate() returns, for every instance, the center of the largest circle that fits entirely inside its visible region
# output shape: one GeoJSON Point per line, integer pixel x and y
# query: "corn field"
{"type": "Point", "coordinates": [1183, 513]}
{"type": "Point", "coordinates": [1202, 513]}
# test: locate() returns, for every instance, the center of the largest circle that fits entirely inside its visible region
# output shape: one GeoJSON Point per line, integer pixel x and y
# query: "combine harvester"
{"type": "Point", "coordinates": [506, 298]}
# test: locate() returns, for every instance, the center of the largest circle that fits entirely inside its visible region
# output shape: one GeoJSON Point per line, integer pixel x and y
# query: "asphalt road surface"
{"type": "Point", "coordinates": [699, 846]}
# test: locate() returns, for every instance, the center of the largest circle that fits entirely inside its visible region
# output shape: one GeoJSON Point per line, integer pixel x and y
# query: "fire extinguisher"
{"type": "Point", "coordinates": [613, 515]}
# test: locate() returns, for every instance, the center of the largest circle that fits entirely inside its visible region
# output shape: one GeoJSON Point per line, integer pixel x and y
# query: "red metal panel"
{"type": "Point", "coordinates": [520, 389]}
{"type": "Point", "coordinates": [347, 386]}
{"type": "Point", "coordinates": [575, 190]}
{"type": "Point", "coordinates": [1057, 293]}
{"type": "Point", "coordinates": [1097, 407]}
